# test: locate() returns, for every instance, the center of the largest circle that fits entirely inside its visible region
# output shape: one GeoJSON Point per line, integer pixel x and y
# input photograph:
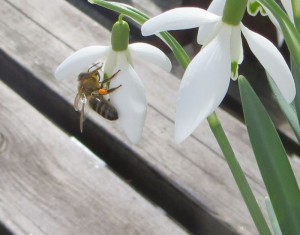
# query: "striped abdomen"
{"type": "Point", "coordinates": [104, 108]}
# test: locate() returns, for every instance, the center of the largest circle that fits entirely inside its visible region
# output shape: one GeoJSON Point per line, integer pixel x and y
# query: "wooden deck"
{"type": "Point", "coordinates": [54, 180]}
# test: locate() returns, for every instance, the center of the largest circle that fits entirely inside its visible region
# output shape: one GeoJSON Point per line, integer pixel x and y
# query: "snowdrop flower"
{"type": "Point", "coordinates": [129, 99]}
{"type": "Point", "coordinates": [253, 7]}
{"type": "Point", "coordinates": [206, 79]}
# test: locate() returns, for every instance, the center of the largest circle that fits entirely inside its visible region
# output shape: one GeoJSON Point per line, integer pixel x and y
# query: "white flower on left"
{"type": "Point", "coordinates": [130, 98]}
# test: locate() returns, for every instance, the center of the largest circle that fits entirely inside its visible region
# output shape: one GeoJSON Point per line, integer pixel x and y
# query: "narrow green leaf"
{"type": "Point", "coordinates": [288, 109]}
{"type": "Point", "coordinates": [272, 217]}
{"type": "Point", "coordinates": [238, 175]}
{"type": "Point", "coordinates": [272, 161]}
{"type": "Point", "coordinates": [296, 13]}
{"type": "Point", "coordinates": [296, 74]}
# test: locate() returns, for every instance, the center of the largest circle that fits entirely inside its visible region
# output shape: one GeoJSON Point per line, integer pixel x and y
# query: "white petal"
{"type": "Point", "coordinates": [129, 99]}
{"type": "Point", "coordinates": [110, 62]}
{"type": "Point", "coordinates": [207, 32]}
{"type": "Point", "coordinates": [272, 61]}
{"type": "Point", "coordinates": [79, 61]}
{"type": "Point", "coordinates": [204, 84]}
{"type": "Point", "coordinates": [151, 54]}
{"type": "Point", "coordinates": [237, 54]}
{"type": "Point", "coordinates": [280, 38]}
{"type": "Point", "coordinates": [178, 18]}
{"type": "Point", "coordinates": [217, 7]}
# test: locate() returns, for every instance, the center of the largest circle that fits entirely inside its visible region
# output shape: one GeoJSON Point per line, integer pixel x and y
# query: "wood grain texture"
{"type": "Point", "coordinates": [50, 184]}
{"type": "Point", "coordinates": [195, 167]}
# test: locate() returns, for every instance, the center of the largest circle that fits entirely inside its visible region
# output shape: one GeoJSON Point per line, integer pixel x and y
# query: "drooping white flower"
{"type": "Point", "coordinates": [254, 6]}
{"type": "Point", "coordinates": [206, 80]}
{"type": "Point", "coordinates": [129, 99]}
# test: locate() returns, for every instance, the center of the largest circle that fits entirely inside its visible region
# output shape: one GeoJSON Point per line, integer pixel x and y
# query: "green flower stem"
{"type": "Point", "coordinates": [291, 35]}
{"type": "Point", "coordinates": [124, 9]}
{"type": "Point", "coordinates": [139, 17]}
{"type": "Point", "coordinates": [238, 175]}
{"type": "Point", "coordinates": [234, 11]}
{"type": "Point", "coordinates": [184, 60]}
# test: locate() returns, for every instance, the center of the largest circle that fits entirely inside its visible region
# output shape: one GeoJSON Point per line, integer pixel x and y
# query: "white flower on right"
{"type": "Point", "coordinates": [206, 80]}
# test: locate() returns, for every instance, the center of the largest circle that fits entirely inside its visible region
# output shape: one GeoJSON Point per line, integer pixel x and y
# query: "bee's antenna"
{"type": "Point", "coordinates": [96, 68]}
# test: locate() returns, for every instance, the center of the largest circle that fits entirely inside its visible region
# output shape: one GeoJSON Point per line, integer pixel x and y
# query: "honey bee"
{"type": "Point", "coordinates": [91, 89]}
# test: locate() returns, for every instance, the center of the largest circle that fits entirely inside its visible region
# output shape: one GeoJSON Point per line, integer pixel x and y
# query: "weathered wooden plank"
{"type": "Point", "coordinates": [51, 184]}
{"type": "Point", "coordinates": [165, 156]}
{"type": "Point", "coordinates": [195, 167]}
{"type": "Point", "coordinates": [122, 159]}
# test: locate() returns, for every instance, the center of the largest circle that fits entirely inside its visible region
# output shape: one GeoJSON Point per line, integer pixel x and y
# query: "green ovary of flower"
{"type": "Point", "coordinates": [234, 69]}
{"type": "Point", "coordinates": [120, 35]}
{"type": "Point", "coordinates": [234, 11]}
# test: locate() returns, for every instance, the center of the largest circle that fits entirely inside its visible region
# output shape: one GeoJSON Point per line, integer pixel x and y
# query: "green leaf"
{"type": "Point", "coordinates": [238, 175]}
{"type": "Point", "coordinates": [272, 217]}
{"type": "Point", "coordinates": [272, 161]}
{"type": "Point", "coordinates": [288, 109]}
{"type": "Point", "coordinates": [296, 74]}
{"type": "Point", "coordinates": [296, 13]}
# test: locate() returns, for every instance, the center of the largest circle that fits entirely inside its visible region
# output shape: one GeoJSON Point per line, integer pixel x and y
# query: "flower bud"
{"type": "Point", "coordinates": [120, 35]}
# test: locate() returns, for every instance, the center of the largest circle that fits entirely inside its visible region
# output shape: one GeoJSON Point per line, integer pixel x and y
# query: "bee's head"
{"type": "Point", "coordinates": [83, 76]}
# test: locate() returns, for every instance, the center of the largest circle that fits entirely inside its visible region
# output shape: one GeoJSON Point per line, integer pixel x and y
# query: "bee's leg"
{"type": "Point", "coordinates": [101, 92]}
{"type": "Point", "coordinates": [96, 93]}
{"type": "Point", "coordinates": [112, 76]}
{"type": "Point", "coordinates": [113, 89]}
{"type": "Point", "coordinates": [108, 79]}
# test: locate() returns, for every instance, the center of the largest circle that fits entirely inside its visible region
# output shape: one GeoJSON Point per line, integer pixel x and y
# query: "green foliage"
{"type": "Point", "coordinates": [272, 161]}
{"type": "Point", "coordinates": [288, 109]}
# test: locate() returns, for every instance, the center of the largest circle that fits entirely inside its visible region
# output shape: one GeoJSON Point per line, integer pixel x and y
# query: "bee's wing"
{"type": "Point", "coordinates": [82, 118]}
{"type": "Point", "coordinates": [79, 105]}
{"type": "Point", "coordinates": [84, 110]}
{"type": "Point", "coordinates": [79, 101]}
